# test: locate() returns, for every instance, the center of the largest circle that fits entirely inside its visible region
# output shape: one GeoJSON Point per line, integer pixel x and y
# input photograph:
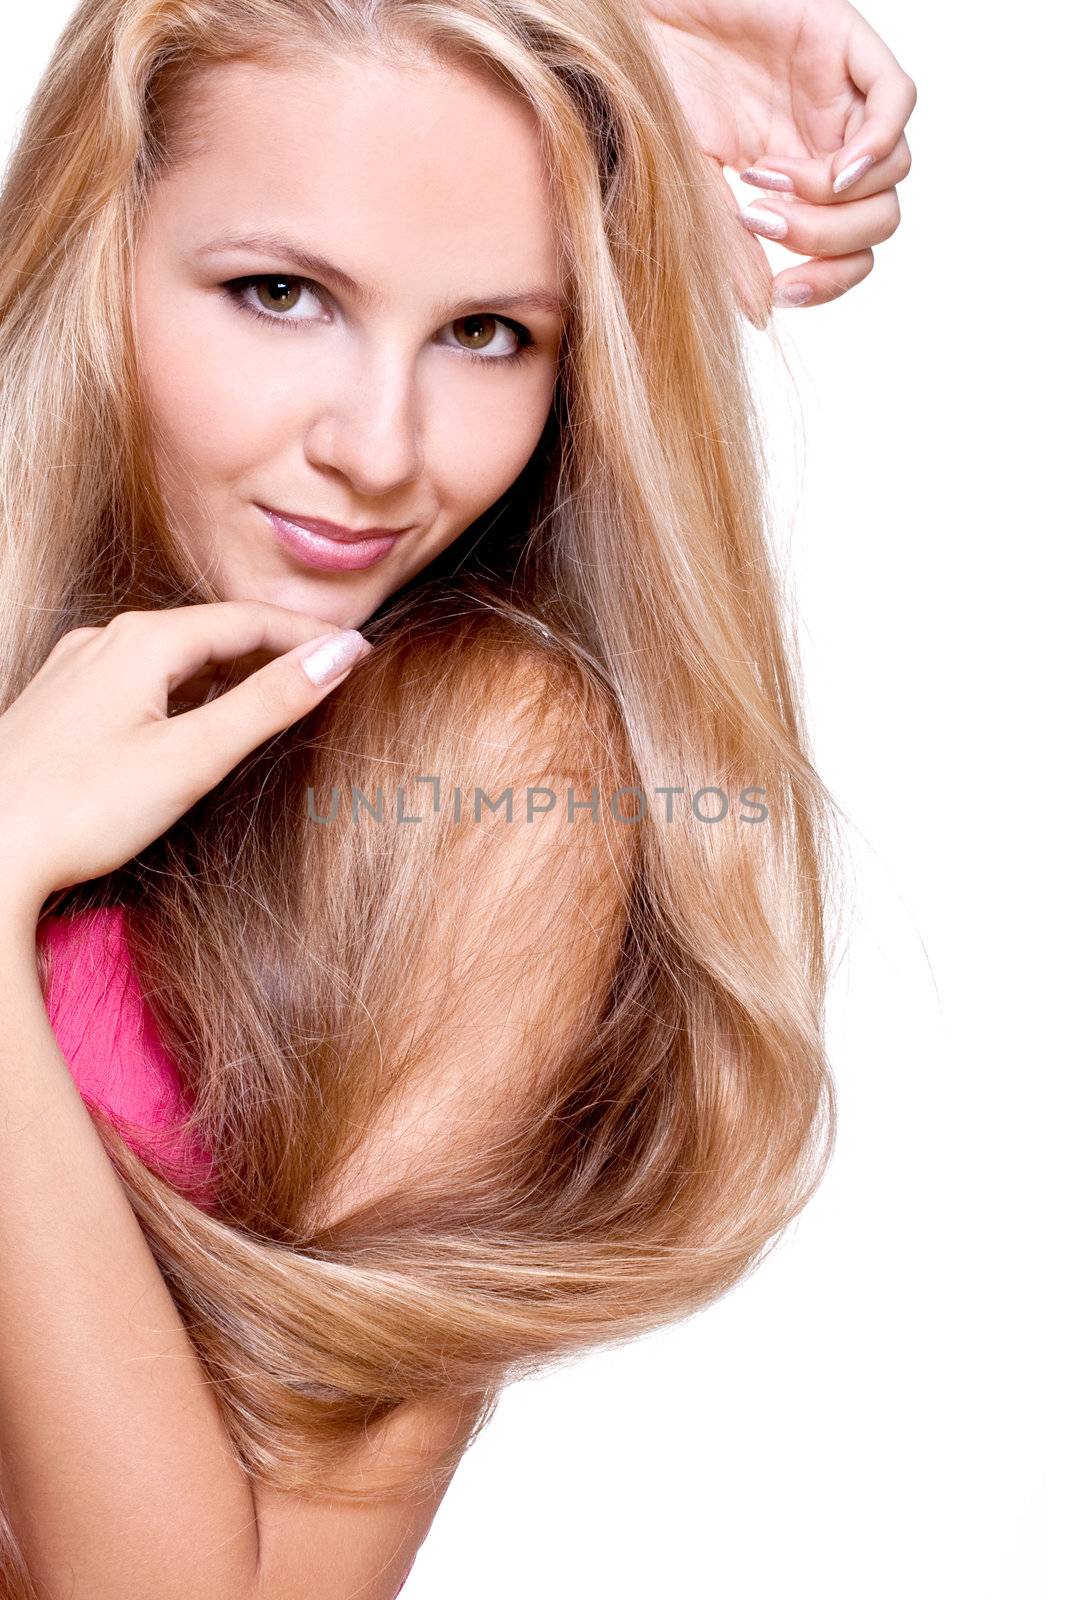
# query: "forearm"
{"type": "Point", "coordinates": [117, 1472]}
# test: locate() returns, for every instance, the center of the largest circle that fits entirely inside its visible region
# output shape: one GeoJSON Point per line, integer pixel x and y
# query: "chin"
{"type": "Point", "coordinates": [342, 606]}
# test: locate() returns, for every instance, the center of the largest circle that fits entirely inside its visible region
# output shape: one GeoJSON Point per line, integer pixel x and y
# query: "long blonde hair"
{"type": "Point", "coordinates": [621, 604]}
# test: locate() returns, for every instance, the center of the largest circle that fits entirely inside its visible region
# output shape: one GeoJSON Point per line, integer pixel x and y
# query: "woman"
{"type": "Point", "coordinates": [461, 1091]}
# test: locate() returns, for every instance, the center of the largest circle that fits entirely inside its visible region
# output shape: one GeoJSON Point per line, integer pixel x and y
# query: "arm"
{"type": "Point", "coordinates": [118, 1474]}
{"type": "Point", "coordinates": [116, 1467]}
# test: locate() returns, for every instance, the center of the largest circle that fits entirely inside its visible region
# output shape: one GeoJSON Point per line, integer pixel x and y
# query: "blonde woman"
{"type": "Point", "coordinates": [415, 880]}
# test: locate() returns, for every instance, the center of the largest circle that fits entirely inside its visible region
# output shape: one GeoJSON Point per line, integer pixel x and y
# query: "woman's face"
{"type": "Point", "coordinates": [370, 387]}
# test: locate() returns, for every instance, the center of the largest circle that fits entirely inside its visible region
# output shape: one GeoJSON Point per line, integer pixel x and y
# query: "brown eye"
{"type": "Point", "coordinates": [278, 294]}
{"type": "Point", "coordinates": [282, 298]}
{"type": "Point", "coordinates": [475, 327]}
{"type": "Point", "coordinates": [480, 329]}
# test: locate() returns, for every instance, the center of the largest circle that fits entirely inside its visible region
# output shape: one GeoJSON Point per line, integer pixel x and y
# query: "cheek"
{"type": "Point", "coordinates": [480, 448]}
{"type": "Point", "coordinates": [199, 398]}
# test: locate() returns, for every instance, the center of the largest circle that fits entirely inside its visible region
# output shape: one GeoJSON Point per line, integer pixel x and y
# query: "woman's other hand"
{"type": "Point", "coordinates": [92, 767]}
{"type": "Point", "coordinates": [795, 96]}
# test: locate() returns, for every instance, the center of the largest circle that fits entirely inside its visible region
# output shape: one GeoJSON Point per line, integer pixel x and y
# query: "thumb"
{"type": "Point", "coordinates": [850, 172]}
{"type": "Point", "coordinates": [326, 660]}
{"type": "Point", "coordinates": [808, 177]}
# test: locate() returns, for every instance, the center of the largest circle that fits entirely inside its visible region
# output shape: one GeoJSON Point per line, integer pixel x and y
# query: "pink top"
{"type": "Point", "coordinates": [113, 1049]}
{"type": "Point", "coordinates": [109, 1038]}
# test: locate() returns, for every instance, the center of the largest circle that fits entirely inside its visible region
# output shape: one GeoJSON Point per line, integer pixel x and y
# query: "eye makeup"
{"type": "Point", "coordinates": [238, 291]}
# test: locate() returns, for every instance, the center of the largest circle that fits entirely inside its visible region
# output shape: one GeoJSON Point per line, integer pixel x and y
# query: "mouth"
{"type": "Point", "coordinates": [330, 546]}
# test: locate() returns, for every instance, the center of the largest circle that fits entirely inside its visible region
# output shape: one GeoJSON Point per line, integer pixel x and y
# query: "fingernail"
{"type": "Point", "coordinates": [767, 180]}
{"type": "Point", "coordinates": [769, 223]}
{"type": "Point", "coordinates": [793, 294]}
{"type": "Point", "coordinates": [330, 659]}
{"type": "Point", "coordinates": [849, 174]}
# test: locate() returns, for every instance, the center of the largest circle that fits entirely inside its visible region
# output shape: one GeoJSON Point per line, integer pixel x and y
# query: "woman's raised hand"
{"type": "Point", "coordinates": [92, 768]}
{"type": "Point", "coordinates": [804, 101]}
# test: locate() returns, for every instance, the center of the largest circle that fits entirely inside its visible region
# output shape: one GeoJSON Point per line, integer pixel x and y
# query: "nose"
{"type": "Point", "coordinates": [366, 425]}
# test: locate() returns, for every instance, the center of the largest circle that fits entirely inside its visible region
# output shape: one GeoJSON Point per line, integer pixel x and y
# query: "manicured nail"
{"type": "Point", "coordinates": [335, 656]}
{"type": "Point", "coordinates": [849, 174]}
{"type": "Point", "coordinates": [766, 179]}
{"type": "Point", "coordinates": [769, 223]}
{"type": "Point", "coordinates": [793, 294]}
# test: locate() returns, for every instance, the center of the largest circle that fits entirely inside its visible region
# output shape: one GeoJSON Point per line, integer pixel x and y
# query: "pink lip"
{"type": "Point", "coordinates": [329, 546]}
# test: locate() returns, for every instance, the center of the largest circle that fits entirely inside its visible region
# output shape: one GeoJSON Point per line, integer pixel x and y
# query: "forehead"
{"type": "Point", "coordinates": [399, 168]}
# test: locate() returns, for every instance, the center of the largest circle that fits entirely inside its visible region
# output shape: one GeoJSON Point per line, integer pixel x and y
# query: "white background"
{"type": "Point", "coordinates": [866, 1416]}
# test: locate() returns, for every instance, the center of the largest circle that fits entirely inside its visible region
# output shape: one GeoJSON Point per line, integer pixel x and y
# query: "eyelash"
{"type": "Point", "coordinates": [236, 287]}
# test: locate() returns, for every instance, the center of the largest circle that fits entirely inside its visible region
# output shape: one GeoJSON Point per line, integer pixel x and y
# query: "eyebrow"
{"type": "Point", "coordinates": [335, 278]}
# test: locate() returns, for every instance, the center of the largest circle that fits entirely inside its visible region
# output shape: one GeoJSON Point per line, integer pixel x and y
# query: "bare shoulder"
{"type": "Point", "coordinates": [337, 1549]}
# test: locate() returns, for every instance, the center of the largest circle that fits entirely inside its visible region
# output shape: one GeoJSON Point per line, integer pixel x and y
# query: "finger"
{"type": "Point", "coordinates": [182, 639]}
{"type": "Point", "coordinates": [890, 96]}
{"type": "Point", "coordinates": [812, 178]}
{"type": "Point", "coordinates": [74, 639]}
{"type": "Point", "coordinates": [824, 230]}
{"type": "Point", "coordinates": [818, 282]}
{"type": "Point", "coordinates": [212, 739]}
